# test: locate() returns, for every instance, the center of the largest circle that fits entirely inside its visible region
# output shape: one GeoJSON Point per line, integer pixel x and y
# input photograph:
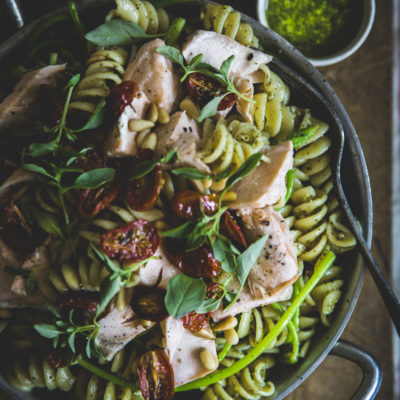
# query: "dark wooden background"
{"type": "Point", "coordinates": [363, 83]}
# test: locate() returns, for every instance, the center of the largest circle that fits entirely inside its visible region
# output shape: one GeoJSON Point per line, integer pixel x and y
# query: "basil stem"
{"type": "Point", "coordinates": [319, 271]}
{"type": "Point", "coordinates": [108, 376]}
{"type": "Point", "coordinates": [80, 29]}
{"type": "Point", "coordinates": [224, 352]}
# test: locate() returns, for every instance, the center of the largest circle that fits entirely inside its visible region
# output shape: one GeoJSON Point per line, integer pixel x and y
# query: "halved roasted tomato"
{"type": "Point", "coordinates": [156, 376]}
{"type": "Point", "coordinates": [134, 242]}
{"type": "Point", "coordinates": [203, 89]}
{"type": "Point", "coordinates": [92, 201]}
{"type": "Point", "coordinates": [199, 263]}
{"type": "Point", "coordinates": [188, 204]}
{"type": "Point", "coordinates": [231, 229]}
{"type": "Point", "coordinates": [121, 96]}
{"type": "Point", "coordinates": [148, 303]}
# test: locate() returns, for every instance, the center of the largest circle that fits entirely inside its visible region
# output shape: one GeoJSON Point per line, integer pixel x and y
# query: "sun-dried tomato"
{"type": "Point", "coordinates": [203, 89]}
{"type": "Point", "coordinates": [135, 241]}
{"type": "Point", "coordinates": [231, 229]}
{"type": "Point", "coordinates": [156, 376]}
{"type": "Point", "coordinates": [79, 301]}
{"type": "Point", "coordinates": [121, 96]}
{"type": "Point", "coordinates": [199, 263]}
{"type": "Point", "coordinates": [57, 358]}
{"type": "Point", "coordinates": [148, 303]}
{"type": "Point", "coordinates": [92, 159]}
{"type": "Point", "coordinates": [92, 201]}
{"type": "Point", "coordinates": [188, 204]}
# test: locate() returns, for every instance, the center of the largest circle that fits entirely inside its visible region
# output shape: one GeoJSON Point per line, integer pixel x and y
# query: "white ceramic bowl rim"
{"type": "Point", "coordinates": [347, 51]}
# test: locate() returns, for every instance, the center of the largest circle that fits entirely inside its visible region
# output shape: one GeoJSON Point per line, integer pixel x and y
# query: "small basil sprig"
{"type": "Point", "coordinates": [245, 263]}
{"type": "Point", "coordinates": [299, 137]}
{"type": "Point", "coordinates": [196, 65]}
{"type": "Point", "coordinates": [63, 331]}
{"type": "Point", "coordinates": [118, 278]}
{"type": "Point", "coordinates": [145, 167]}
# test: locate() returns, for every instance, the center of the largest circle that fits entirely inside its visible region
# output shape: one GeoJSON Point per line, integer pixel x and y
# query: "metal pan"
{"type": "Point", "coordinates": [312, 90]}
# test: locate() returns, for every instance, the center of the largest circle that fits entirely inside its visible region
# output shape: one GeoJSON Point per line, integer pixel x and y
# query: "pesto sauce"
{"type": "Point", "coordinates": [316, 27]}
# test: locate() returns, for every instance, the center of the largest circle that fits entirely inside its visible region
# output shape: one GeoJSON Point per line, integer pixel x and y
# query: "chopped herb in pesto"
{"type": "Point", "coordinates": [316, 27]}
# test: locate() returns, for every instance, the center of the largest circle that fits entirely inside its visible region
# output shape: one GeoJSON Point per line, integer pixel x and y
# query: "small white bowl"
{"type": "Point", "coordinates": [349, 49]}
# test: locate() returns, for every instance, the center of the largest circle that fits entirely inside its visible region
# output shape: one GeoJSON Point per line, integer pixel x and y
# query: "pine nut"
{"type": "Point", "coordinates": [229, 196]}
{"type": "Point", "coordinates": [138, 125]}
{"type": "Point", "coordinates": [163, 116]}
{"type": "Point", "coordinates": [150, 142]}
{"type": "Point", "coordinates": [208, 360]}
{"type": "Point", "coordinates": [141, 137]}
{"type": "Point", "coordinates": [231, 336]}
{"type": "Point", "coordinates": [227, 323]}
{"type": "Point", "coordinates": [191, 109]}
{"type": "Point", "coordinates": [152, 113]}
{"type": "Point", "coordinates": [205, 333]}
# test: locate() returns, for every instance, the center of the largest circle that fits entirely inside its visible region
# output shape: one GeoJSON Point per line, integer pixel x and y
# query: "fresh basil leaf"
{"type": "Point", "coordinates": [40, 149]}
{"type": "Point", "coordinates": [245, 263]}
{"type": "Point", "coordinates": [301, 136]}
{"type": "Point", "coordinates": [111, 265]}
{"type": "Point", "coordinates": [117, 32]}
{"type": "Point", "coordinates": [210, 109]}
{"type": "Point", "coordinates": [184, 294]}
{"type": "Point", "coordinates": [37, 169]}
{"type": "Point", "coordinates": [96, 119]}
{"type": "Point", "coordinates": [71, 341]}
{"type": "Point", "coordinates": [223, 174]}
{"type": "Point", "coordinates": [142, 169]}
{"type": "Point", "coordinates": [248, 166]}
{"type": "Point", "coordinates": [172, 54]}
{"type": "Point", "coordinates": [52, 308]}
{"type": "Point", "coordinates": [170, 157]}
{"type": "Point", "coordinates": [73, 81]}
{"type": "Point", "coordinates": [179, 232]}
{"type": "Point", "coordinates": [14, 270]}
{"type": "Point", "coordinates": [190, 173]}
{"type": "Point", "coordinates": [109, 289]}
{"type": "Point", "coordinates": [31, 285]}
{"type": "Point", "coordinates": [47, 221]}
{"type": "Point", "coordinates": [248, 258]}
{"type": "Point", "coordinates": [224, 68]}
{"type": "Point", "coordinates": [77, 155]}
{"type": "Point", "coordinates": [208, 306]}
{"type": "Point", "coordinates": [194, 241]}
{"type": "Point", "coordinates": [223, 253]}
{"type": "Point", "coordinates": [195, 61]}
{"type": "Point", "coordinates": [94, 178]}
{"type": "Point", "coordinates": [46, 330]}
{"type": "Point", "coordinates": [88, 348]}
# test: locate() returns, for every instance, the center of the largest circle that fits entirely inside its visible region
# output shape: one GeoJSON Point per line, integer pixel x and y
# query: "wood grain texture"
{"type": "Point", "coordinates": [363, 83]}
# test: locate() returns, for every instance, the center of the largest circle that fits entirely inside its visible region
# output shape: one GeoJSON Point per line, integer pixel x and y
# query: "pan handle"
{"type": "Point", "coordinates": [14, 9]}
{"type": "Point", "coordinates": [372, 373]}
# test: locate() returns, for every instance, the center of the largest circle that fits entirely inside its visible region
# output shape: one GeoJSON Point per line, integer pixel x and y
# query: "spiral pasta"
{"type": "Point", "coordinates": [223, 19]}
{"type": "Point", "coordinates": [34, 371]}
{"type": "Point", "coordinates": [230, 144]}
{"type": "Point", "coordinates": [105, 68]}
{"type": "Point", "coordinates": [143, 13]}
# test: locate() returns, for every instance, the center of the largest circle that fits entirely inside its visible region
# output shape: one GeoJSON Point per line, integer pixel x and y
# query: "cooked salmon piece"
{"type": "Point", "coordinates": [121, 142]}
{"type": "Point", "coordinates": [181, 133]}
{"type": "Point", "coordinates": [155, 76]}
{"type": "Point", "coordinates": [21, 106]}
{"type": "Point", "coordinates": [271, 277]}
{"type": "Point", "coordinates": [217, 47]}
{"type": "Point", "coordinates": [183, 348]}
{"type": "Point", "coordinates": [266, 184]}
{"type": "Point", "coordinates": [117, 329]}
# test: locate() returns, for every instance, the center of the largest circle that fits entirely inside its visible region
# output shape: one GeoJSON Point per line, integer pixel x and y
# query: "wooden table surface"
{"type": "Point", "coordinates": [363, 83]}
